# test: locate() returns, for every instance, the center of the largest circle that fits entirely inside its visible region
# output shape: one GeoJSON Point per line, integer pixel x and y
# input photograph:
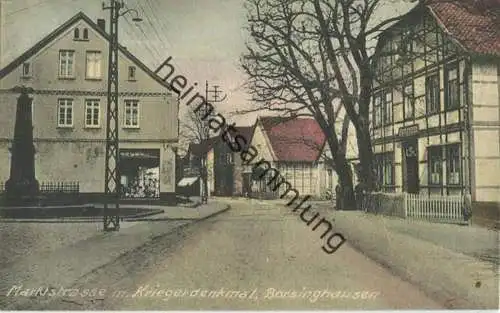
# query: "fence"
{"type": "Point", "coordinates": [417, 206]}
{"type": "Point", "coordinates": [67, 188]}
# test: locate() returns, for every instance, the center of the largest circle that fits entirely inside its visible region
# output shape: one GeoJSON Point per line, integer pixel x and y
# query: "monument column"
{"type": "Point", "coordinates": [22, 188]}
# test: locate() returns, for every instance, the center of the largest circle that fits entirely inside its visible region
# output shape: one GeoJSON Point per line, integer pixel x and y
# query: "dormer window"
{"type": "Point", "coordinates": [26, 69]}
{"type": "Point", "coordinates": [77, 33]}
{"type": "Point", "coordinates": [131, 73]}
{"type": "Point", "coordinates": [85, 34]}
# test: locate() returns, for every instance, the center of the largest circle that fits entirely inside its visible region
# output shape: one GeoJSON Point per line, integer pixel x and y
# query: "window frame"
{"type": "Point", "coordinates": [447, 87]}
{"type": "Point", "coordinates": [377, 106]}
{"type": "Point", "coordinates": [131, 103]}
{"type": "Point", "coordinates": [76, 33]}
{"type": "Point", "coordinates": [132, 69]}
{"type": "Point", "coordinates": [66, 104]}
{"type": "Point", "coordinates": [85, 34]}
{"type": "Point", "coordinates": [435, 152]}
{"type": "Point", "coordinates": [387, 108]}
{"type": "Point", "coordinates": [457, 165]}
{"type": "Point", "coordinates": [433, 108]}
{"type": "Point", "coordinates": [408, 98]}
{"type": "Point", "coordinates": [29, 74]}
{"type": "Point", "coordinates": [93, 108]}
{"type": "Point", "coordinates": [87, 54]}
{"type": "Point", "coordinates": [388, 162]}
{"type": "Point", "coordinates": [61, 59]}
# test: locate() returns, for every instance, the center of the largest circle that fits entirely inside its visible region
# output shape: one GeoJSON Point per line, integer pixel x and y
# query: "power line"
{"type": "Point", "coordinates": [31, 6]}
{"type": "Point", "coordinates": [154, 54]}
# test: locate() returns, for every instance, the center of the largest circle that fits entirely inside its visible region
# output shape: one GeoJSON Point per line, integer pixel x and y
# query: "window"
{"type": "Point", "coordinates": [384, 168]}
{"type": "Point", "coordinates": [453, 164]}
{"type": "Point", "coordinates": [93, 64]}
{"type": "Point", "coordinates": [377, 111]}
{"type": "Point", "coordinates": [379, 169]}
{"type": "Point", "coordinates": [432, 93]}
{"type": "Point", "coordinates": [26, 69]}
{"type": "Point", "coordinates": [388, 108]}
{"type": "Point", "coordinates": [76, 33]}
{"type": "Point", "coordinates": [66, 63]}
{"type": "Point", "coordinates": [131, 73]}
{"type": "Point", "coordinates": [408, 101]}
{"type": "Point", "coordinates": [65, 113]}
{"type": "Point", "coordinates": [92, 113]}
{"type": "Point", "coordinates": [452, 96]}
{"type": "Point", "coordinates": [388, 169]}
{"type": "Point", "coordinates": [229, 158]}
{"type": "Point", "coordinates": [131, 113]}
{"type": "Point", "coordinates": [435, 165]}
{"type": "Point", "coordinates": [85, 33]}
{"type": "Point", "coordinates": [407, 43]}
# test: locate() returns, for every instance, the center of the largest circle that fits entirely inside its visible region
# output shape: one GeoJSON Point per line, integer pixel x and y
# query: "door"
{"type": "Point", "coordinates": [410, 157]}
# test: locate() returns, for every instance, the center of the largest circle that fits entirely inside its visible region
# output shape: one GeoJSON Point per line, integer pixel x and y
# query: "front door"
{"type": "Point", "coordinates": [410, 159]}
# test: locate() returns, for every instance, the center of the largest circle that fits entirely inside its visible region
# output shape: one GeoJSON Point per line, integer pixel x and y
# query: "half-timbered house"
{"type": "Point", "coordinates": [436, 102]}
{"type": "Point", "coordinates": [294, 147]}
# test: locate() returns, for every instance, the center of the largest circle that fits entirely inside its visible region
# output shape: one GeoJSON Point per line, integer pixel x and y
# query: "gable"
{"type": "Point", "coordinates": [98, 40]}
{"type": "Point", "coordinates": [261, 142]}
{"type": "Point", "coordinates": [294, 139]}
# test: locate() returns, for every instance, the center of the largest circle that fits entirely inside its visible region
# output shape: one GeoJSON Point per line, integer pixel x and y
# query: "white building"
{"type": "Point", "coordinates": [68, 72]}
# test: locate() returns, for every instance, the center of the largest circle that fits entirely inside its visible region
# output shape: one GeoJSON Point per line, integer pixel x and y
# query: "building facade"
{"type": "Point", "coordinates": [436, 102]}
{"type": "Point", "coordinates": [68, 73]}
{"type": "Point", "coordinates": [294, 147]}
{"type": "Point", "coordinates": [191, 182]}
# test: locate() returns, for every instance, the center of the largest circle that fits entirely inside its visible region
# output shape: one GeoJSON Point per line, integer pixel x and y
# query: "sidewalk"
{"type": "Point", "coordinates": [63, 266]}
{"type": "Point", "coordinates": [444, 260]}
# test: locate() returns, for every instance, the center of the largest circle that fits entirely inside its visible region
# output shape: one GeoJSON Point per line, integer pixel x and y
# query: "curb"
{"type": "Point", "coordinates": [77, 219]}
{"type": "Point", "coordinates": [27, 304]}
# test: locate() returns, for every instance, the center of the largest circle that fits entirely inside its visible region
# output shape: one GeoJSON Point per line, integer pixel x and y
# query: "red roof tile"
{"type": "Point", "coordinates": [294, 139]}
{"type": "Point", "coordinates": [474, 23]}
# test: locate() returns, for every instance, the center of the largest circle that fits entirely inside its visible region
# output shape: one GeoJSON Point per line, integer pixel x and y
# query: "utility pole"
{"type": "Point", "coordinates": [112, 183]}
{"type": "Point", "coordinates": [216, 91]}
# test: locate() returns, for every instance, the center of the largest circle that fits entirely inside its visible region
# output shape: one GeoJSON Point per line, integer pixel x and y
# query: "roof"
{"type": "Point", "coordinates": [474, 24]}
{"type": "Point", "coordinates": [61, 29]}
{"type": "Point", "coordinates": [294, 139]}
{"type": "Point", "coordinates": [203, 147]}
{"type": "Point", "coordinates": [246, 132]}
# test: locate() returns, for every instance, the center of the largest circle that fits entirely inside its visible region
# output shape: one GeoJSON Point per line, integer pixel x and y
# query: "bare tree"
{"type": "Point", "coordinates": [311, 57]}
{"type": "Point", "coordinates": [195, 130]}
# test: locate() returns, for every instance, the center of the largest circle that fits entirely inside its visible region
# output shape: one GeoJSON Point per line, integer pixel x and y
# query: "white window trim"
{"type": "Point", "coordinates": [134, 77]}
{"type": "Point", "coordinates": [95, 52]}
{"type": "Point", "coordinates": [30, 72]}
{"type": "Point", "coordinates": [72, 65]}
{"type": "Point", "coordinates": [125, 114]}
{"type": "Point", "coordinates": [66, 100]}
{"type": "Point", "coordinates": [93, 101]}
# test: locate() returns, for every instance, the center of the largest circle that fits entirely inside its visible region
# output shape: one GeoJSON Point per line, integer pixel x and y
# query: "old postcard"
{"type": "Point", "coordinates": [249, 154]}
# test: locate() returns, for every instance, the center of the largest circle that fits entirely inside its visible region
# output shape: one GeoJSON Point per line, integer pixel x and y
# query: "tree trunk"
{"type": "Point", "coordinates": [365, 152]}
{"type": "Point", "coordinates": [344, 173]}
{"type": "Point", "coordinates": [204, 178]}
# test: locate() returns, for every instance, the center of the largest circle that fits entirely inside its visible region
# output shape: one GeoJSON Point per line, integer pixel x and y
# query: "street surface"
{"type": "Point", "coordinates": [255, 256]}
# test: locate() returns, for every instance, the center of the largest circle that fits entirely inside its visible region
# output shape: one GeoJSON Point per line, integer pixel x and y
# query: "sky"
{"type": "Point", "coordinates": [205, 37]}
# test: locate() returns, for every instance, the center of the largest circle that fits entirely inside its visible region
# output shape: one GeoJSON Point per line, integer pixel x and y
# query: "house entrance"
{"type": "Point", "coordinates": [140, 173]}
{"type": "Point", "coordinates": [410, 165]}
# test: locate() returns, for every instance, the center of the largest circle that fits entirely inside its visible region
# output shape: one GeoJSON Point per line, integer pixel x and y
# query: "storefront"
{"type": "Point", "coordinates": [140, 173]}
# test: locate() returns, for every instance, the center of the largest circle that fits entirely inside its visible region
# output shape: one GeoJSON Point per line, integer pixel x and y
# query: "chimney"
{"type": "Point", "coordinates": [101, 23]}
